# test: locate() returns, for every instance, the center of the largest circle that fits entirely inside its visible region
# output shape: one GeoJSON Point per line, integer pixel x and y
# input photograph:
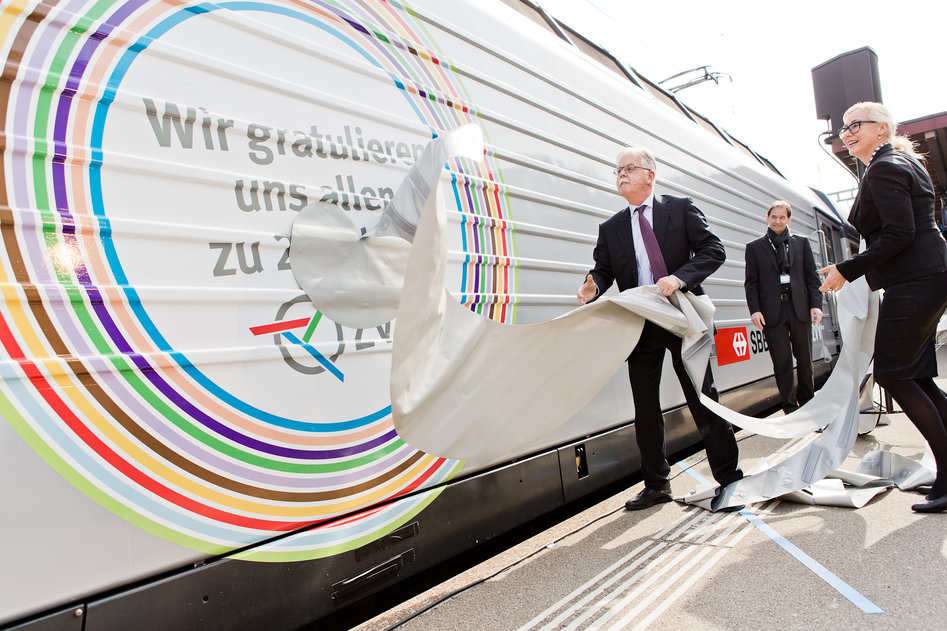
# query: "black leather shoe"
{"type": "Point", "coordinates": [648, 498]}
{"type": "Point", "coordinates": [938, 505]}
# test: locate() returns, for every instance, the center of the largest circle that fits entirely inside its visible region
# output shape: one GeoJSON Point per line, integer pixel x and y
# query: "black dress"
{"type": "Point", "coordinates": [906, 255]}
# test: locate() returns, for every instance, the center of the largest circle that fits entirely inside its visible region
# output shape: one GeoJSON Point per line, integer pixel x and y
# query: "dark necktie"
{"type": "Point", "coordinates": [658, 267]}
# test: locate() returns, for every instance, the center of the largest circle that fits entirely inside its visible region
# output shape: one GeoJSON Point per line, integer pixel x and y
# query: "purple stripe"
{"type": "Point", "coordinates": [234, 469]}
{"type": "Point", "coordinates": [98, 305]}
{"type": "Point", "coordinates": [355, 25]}
{"type": "Point", "coordinates": [475, 224]}
{"type": "Point", "coordinates": [44, 45]}
{"type": "Point", "coordinates": [65, 99]}
{"type": "Point", "coordinates": [111, 329]}
{"type": "Point", "coordinates": [227, 432]}
{"type": "Point", "coordinates": [158, 425]}
{"type": "Point", "coordinates": [382, 50]}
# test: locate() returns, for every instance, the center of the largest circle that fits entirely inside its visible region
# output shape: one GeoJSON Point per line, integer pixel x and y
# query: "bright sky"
{"type": "Point", "coordinates": [769, 50]}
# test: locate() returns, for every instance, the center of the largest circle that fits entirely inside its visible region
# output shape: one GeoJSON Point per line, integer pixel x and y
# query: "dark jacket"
{"type": "Point", "coordinates": [691, 251]}
{"type": "Point", "coordinates": [762, 279]}
{"type": "Point", "coordinates": [894, 212]}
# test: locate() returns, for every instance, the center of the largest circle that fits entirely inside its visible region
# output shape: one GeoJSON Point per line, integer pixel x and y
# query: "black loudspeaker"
{"type": "Point", "coordinates": [841, 82]}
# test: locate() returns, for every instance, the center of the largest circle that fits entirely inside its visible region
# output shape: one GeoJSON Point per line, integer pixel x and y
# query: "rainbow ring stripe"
{"type": "Point", "coordinates": [93, 386]}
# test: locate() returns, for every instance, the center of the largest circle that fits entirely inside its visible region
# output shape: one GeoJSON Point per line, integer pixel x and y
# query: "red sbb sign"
{"type": "Point", "coordinates": [733, 345]}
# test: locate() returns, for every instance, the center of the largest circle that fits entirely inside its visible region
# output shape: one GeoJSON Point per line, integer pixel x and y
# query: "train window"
{"type": "Point", "coordinates": [708, 125]}
{"type": "Point", "coordinates": [830, 247]}
{"type": "Point", "coordinates": [529, 10]}
{"type": "Point", "coordinates": [593, 51]}
{"type": "Point", "coordinates": [663, 96]}
{"type": "Point", "coordinates": [538, 15]}
{"type": "Point", "coordinates": [833, 238]}
{"type": "Point", "coordinates": [746, 149]}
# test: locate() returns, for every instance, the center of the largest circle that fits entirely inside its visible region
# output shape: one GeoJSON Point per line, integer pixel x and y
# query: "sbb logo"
{"type": "Point", "coordinates": [732, 345]}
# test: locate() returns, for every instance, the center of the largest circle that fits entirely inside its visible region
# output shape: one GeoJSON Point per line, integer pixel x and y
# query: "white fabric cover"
{"type": "Point", "coordinates": [469, 388]}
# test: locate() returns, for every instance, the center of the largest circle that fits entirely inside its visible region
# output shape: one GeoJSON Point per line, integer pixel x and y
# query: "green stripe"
{"type": "Point", "coordinates": [312, 326]}
{"type": "Point", "coordinates": [284, 556]}
{"type": "Point", "coordinates": [88, 487]}
{"type": "Point", "coordinates": [50, 222]}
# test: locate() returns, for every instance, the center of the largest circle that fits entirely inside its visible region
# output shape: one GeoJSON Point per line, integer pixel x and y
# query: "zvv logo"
{"type": "Point", "coordinates": [299, 342]}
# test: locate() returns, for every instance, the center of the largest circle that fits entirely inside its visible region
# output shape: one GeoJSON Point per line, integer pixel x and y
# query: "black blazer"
{"type": "Point", "coordinates": [762, 279]}
{"type": "Point", "coordinates": [691, 251]}
{"type": "Point", "coordinates": [894, 212]}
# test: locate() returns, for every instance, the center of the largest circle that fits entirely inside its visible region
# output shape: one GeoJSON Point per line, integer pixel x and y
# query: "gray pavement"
{"type": "Point", "coordinates": [682, 568]}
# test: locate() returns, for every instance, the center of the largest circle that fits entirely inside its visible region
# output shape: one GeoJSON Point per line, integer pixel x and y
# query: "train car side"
{"type": "Point", "coordinates": [187, 440]}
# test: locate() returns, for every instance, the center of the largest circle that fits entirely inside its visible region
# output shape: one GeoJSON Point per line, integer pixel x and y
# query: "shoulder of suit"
{"type": "Point", "coordinates": [891, 163]}
{"type": "Point", "coordinates": [673, 200]}
{"type": "Point", "coordinates": [675, 205]}
{"type": "Point", "coordinates": [890, 157]}
{"type": "Point", "coordinates": [893, 157]}
{"type": "Point", "coordinates": [616, 217]}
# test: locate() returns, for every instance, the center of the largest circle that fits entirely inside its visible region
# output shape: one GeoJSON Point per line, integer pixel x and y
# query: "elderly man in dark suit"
{"type": "Point", "coordinates": [666, 242]}
{"type": "Point", "coordinates": [782, 294]}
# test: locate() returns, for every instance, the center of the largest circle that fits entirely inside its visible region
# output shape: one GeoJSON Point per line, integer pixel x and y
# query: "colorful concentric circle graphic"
{"type": "Point", "coordinates": [135, 288]}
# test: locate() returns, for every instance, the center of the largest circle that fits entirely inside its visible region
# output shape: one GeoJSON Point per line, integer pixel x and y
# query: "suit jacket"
{"type": "Point", "coordinates": [894, 212]}
{"type": "Point", "coordinates": [762, 279]}
{"type": "Point", "coordinates": [691, 251]}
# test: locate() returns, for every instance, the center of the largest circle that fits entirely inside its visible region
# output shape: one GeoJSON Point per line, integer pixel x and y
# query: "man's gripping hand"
{"type": "Point", "coordinates": [669, 284]}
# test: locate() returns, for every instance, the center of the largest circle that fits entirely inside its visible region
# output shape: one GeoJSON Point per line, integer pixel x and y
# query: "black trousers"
{"type": "Point", "coordinates": [644, 370]}
{"type": "Point", "coordinates": [791, 337]}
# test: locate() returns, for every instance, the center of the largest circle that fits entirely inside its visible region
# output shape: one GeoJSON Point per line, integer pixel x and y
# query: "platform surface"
{"type": "Point", "coordinates": [778, 565]}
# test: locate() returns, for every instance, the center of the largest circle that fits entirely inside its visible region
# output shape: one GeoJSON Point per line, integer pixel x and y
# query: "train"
{"type": "Point", "coordinates": [187, 441]}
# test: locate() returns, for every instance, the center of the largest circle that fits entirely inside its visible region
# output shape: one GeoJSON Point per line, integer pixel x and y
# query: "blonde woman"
{"type": "Point", "coordinates": [905, 255]}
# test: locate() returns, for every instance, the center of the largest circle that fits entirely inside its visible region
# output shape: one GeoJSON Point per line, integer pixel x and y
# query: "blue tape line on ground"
{"type": "Point", "coordinates": [817, 568]}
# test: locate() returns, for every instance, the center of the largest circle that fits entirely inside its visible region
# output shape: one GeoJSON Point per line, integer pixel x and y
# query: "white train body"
{"type": "Point", "coordinates": [179, 426]}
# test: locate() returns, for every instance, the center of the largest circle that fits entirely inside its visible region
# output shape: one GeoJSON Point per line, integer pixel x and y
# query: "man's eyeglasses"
{"type": "Point", "coordinates": [629, 168]}
{"type": "Point", "coordinates": [853, 127]}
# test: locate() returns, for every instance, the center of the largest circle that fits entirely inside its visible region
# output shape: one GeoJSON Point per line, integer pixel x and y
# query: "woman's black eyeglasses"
{"type": "Point", "coordinates": [853, 127]}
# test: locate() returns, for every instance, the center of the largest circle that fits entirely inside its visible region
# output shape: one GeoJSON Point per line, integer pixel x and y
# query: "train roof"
{"type": "Point", "coordinates": [605, 58]}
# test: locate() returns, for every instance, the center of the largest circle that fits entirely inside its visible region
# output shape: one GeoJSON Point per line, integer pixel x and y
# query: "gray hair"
{"type": "Point", "coordinates": [880, 113]}
{"type": "Point", "coordinates": [641, 154]}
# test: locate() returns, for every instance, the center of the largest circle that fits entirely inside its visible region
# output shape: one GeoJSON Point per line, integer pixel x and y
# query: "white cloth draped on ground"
{"type": "Point", "coordinates": [836, 402]}
{"type": "Point", "coordinates": [903, 472]}
{"type": "Point", "coordinates": [878, 471]}
{"type": "Point", "coordinates": [469, 388]}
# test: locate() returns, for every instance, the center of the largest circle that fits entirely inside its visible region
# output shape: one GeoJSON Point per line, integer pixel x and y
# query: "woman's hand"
{"type": "Point", "coordinates": [833, 279]}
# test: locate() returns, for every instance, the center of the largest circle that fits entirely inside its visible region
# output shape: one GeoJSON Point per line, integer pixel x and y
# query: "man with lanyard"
{"type": "Point", "coordinates": [782, 294]}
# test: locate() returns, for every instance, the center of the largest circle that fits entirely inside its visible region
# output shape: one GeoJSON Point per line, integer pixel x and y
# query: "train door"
{"type": "Point", "coordinates": [825, 338]}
